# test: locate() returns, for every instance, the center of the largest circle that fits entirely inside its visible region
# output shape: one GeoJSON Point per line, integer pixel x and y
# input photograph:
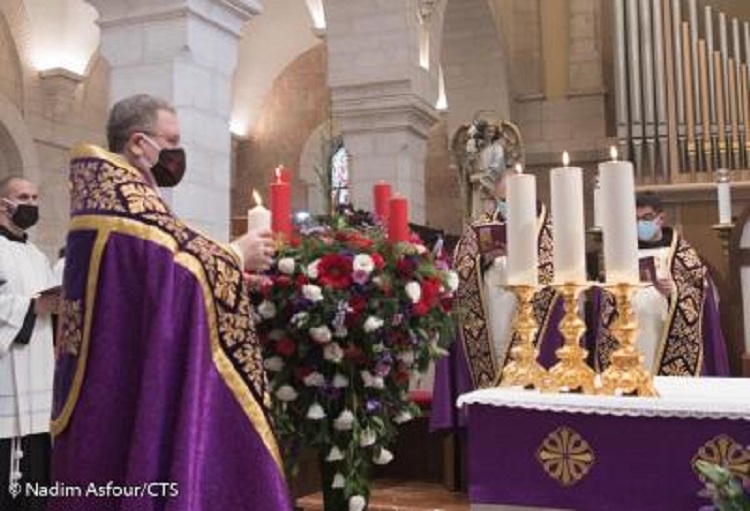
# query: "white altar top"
{"type": "Point", "coordinates": [706, 398]}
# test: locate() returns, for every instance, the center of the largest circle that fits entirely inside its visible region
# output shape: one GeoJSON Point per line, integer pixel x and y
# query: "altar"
{"type": "Point", "coordinates": [603, 453]}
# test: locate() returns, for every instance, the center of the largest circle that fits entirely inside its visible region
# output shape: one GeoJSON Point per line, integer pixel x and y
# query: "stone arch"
{"type": "Point", "coordinates": [16, 143]}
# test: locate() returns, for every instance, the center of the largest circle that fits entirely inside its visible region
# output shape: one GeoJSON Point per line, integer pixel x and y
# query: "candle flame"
{"type": "Point", "coordinates": [257, 198]}
{"type": "Point", "coordinates": [519, 168]}
{"type": "Point", "coordinates": [613, 153]}
{"type": "Point", "coordinates": [566, 159]}
{"type": "Point", "coordinates": [277, 171]}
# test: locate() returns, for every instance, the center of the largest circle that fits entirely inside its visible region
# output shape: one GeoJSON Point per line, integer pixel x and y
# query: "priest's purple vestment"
{"type": "Point", "coordinates": [160, 394]}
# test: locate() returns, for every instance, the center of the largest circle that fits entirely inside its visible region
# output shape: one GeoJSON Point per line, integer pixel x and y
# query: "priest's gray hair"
{"type": "Point", "coordinates": [129, 115]}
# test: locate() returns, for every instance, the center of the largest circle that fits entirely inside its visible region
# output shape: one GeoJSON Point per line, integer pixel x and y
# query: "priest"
{"type": "Point", "coordinates": [679, 330]}
{"type": "Point", "coordinates": [159, 391]}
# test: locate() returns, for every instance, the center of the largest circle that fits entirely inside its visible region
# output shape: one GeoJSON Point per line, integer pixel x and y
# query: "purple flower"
{"type": "Point", "coordinates": [373, 405]}
{"type": "Point", "coordinates": [360, 277]}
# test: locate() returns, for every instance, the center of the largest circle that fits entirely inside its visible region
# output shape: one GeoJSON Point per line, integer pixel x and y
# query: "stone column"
{"type": "Point", "coordinates": [184, 51]}
{"type": "Point", "coordinates": [382, 98]}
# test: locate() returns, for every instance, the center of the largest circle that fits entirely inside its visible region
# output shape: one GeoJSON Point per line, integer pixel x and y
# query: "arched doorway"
{"type": "Point", "coordinates": [18, 153]}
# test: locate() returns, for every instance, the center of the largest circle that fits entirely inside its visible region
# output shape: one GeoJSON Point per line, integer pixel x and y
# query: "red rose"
{"type": "Point", "coordinates": [286, 347]}
{"type": "Point", "coordinates": [302, 372]}
{"type": "Point", "coordinates": [431, 291]}
{"type": "Point", "coordinates": [446, 303]}
{"type": "Point", "coordinates": [401, 377]}
{"type": "Point", "coordinates": [301, 280]}
{"type": "Point", "coordinates": [283, 280]}
{"type": "Point", "coordinates": [355, 354]}
{"type": "Point", "coordinates": [360, 242]}
{"type": "Point", "coordinates": [378, 261]}
{"type": "Point", "coordinates": [358, 304]}
{"type": "Point", "coordinates": [421, 308]}
{"type": "Point", "coordinates": [406, 267]}
{"type": "Point", "coordinates": [335, 271]}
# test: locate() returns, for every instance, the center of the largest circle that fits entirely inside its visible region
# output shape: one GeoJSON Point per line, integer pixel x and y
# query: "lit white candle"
{"type": "Point", "coordinates": [597, 202]}
{"type": "Point", "coordinates": [258, 218]}
{"type": "Point", "coordinates": [569, 255]}
{"type": "Point", "coordinates": [725, 197]}
{"type": "Point", "coordinates": [522, 229]}
{"type": "Point", "coordinates": [620, 234]}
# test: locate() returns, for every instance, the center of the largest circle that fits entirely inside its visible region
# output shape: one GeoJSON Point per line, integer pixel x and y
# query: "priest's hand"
{"type": "Point", "coordinates": [257, 249]}
{"type": "Point", "coordinates": [47, 304]}
{"type": "Point", "coordinates": [665, 286]}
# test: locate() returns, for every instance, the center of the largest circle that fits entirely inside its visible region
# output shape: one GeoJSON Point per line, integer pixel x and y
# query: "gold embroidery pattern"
{"type": "Point", "coordinates": [681, 353]}
{"type": "Point", "coordinates": [71, 318]}
{"type": "Point", "coordinates": [473, 327]}
{"type": "Point", "coordinates": [113, 190]}
{"type": "Point", "coordinates": [565, 456]}
{"type": "Point", "coordinates": [724, 451]}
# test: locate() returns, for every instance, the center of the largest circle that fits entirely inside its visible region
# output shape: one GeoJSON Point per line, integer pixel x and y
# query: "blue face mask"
{"type": "Point", "coordinates": [502, 209]}
{"type": "Point", "coordinates": [647, 230]}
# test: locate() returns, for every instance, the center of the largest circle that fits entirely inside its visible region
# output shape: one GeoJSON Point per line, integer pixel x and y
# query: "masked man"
{"type": "Point", "coordinates": [26, 352]}
{"type": "Point", "coordinates": [159, 385]}
{"type": "Point", "coordinates": [679, 329]}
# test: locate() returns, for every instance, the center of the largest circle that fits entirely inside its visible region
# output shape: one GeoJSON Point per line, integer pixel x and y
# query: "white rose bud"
{"type": "Point", "coordinates": [344, 422]}
{"type": "Point", "coordinates": [312, 269]}
{"type": "Point", "coordinates": [314, 379]}
{"type": "Point", "coordinates": [338, 481]}
{"type": "Point", "coordinates": [274, 364]}
{"type": "Point", "coordinates": [452, 280]}
{"type": "Point", "coordinates": [300, 319]}
{"type": "Point", "coordinates": [334, 454]}
{"type": "Point", "coordinates": [357, 503]}
{"type": "Point", "coordinates": [333, 353]}
{"type": "Point", "coordinates": [312, 292]}
{"type": "Point", "coordinates": [367, 438]}
{"type": "Point", "coordinates": [340, 381]}
{"type": "Point", "coordinates": [286, 265]}
{"type": "Point", "coordinates": [363, 262]}
{"type": "Point", "coordinates": [286, 393]}
{"type": "Point", "coordinates": [316, 412]}
{"type": "Point", "coordinates": [407, 357]}
{"type": "Point", "coordinates": [372, 323]}
{"type": "Point", "coordinates": [413, 291]}
{"type": "Point", "coordinates": [383, 458]}
{"type": "Point", "coordinates": [404, 416]}
{"type": "Point", "coordinates": [321, 334]}
{"type": "Point", "coordinates": [266, 309]}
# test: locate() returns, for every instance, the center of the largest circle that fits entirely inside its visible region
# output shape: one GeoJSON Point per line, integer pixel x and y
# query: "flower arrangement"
{"type": "Point", "coordinates": [723, 488]}
{"type": "Point", "coordinates": [345, 318]}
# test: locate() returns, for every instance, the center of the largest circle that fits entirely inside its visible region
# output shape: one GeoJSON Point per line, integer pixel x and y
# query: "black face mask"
{"type": "Point", "coordinates": [170, 168]}
{"type": "Point", "coordinates": [25, 216]}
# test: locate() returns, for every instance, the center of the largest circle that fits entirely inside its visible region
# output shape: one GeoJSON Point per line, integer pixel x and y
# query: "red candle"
{"type": "Point", "coordinates": [381, 194]}
{"type": "Point", "coordinates": [281, 206]}
{"type": "Point", "coordinates": [398, 219]}
{"type": "Point", "coordinates": [283, 174]}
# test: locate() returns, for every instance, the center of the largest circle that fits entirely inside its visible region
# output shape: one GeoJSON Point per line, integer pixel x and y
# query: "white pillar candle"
{"type": "Point", "coordinates": [597, 202]}
{"type": "Point", "coordinates": [619, 231]}
{"type": "Point", "coordinates": [522, 230]}
{"type": "Point", "coordinates": [725, 197]}
{"type": "Point", "coordinates": [258, 218]}
{"type": "Point", "coordinates": [569, 254]}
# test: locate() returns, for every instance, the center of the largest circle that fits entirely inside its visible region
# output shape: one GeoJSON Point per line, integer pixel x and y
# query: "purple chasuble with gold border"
{"type": "Point", "coordinates": [160, 395]}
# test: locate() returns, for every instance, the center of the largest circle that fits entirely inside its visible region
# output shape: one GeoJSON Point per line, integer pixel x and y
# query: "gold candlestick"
{"type": "Point", "coordinates": [626, 374]}
{"type": "Point", "coordinates": [572, 373]}
{"type": "Point", "coordinates": [523, 370]}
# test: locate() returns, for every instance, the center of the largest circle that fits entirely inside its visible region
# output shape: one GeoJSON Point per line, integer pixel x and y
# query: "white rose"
{"type": "Point", "coordinates": [286, 265]}
{"type": "Point", "coordinates": [333, 353]}
{"type": "Point", "coordinates": [314, 379]}
{"type": "Point", "coordinates": [383, 458]}
{"type": "Point", "coordinates": [266, 309]}
{"type": "Point", "coordinates": [320, 334]}
{"type": "Point", "coordinates": [372, 323]}
{"type": "Point", "coordinates": [286, 393]}
{"type": "Point", "coordinates": [357, 503]}
{"type": "Point", "coordinates": [341, 332]}
{"type": "Point", "coordinates": [413, 291]}
{"type": "Point", "coordinates": [335, 454]}
{"type": "Point", "coordinates": [363, 262]}
{"type": "Point", "coordinates": [312, 269]}
{"type": "Point", "coordinates": [367, 438]}
{"type": "Point", "coordinates": [370, 381]}
{"type": "Point", "coordinates": [338, 481]}
{"type": "Point", "coordinates": [340, 381]}
{"type": "Point", "coordinates": [274, 364]}
{"type": "Point", "coordinates": [344, 422]}
{"type": "Point", "coordinates": [452, 280]}
{"type": "Point", "coordinates": [300, 319]}
{"type": "Point", "coordinates": [312, 292]}
{"type": "Point", "coordinates": [316, 412]}
{"type": "Point", "coordinates": [378, 281]}
{"type": "Point", "coordinates": [407, 357]}
{"type": "Point", "coordinates": [402, 417]}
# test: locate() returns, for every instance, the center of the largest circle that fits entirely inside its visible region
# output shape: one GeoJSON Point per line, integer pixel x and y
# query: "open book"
{"type": "Point", "coordinates": [492, 239]}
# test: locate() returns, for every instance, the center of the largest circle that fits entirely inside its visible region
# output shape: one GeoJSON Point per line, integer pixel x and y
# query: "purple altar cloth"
{"type": "Point", "coordinates": [625, 462]}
